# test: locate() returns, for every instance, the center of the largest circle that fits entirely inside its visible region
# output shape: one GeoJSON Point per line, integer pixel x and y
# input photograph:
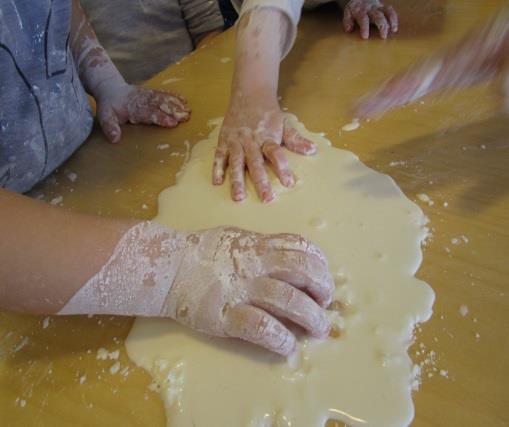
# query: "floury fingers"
{"type": "Point", "coordinates": [225, 282]}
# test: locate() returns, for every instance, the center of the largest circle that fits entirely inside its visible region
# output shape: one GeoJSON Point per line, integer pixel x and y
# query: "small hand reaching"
{"type": "Point", "coordinates": [254, 131]}
{"type": "Point", "coordinates": [480, 56]}
{"type": "Point", "coordinates": [138, 105]}
{"type": "Point", "coordinates": [370, 12]}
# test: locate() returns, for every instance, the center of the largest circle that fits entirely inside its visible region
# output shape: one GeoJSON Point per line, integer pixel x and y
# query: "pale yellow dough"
{"type": "Point", "coordinates": [372, 235]}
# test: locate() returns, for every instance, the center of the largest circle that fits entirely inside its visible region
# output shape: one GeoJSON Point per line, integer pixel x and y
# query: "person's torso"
{"type": "Point", "coordinates": [44, 111]}
{"type": "Point", "coordinates": [141, 37]}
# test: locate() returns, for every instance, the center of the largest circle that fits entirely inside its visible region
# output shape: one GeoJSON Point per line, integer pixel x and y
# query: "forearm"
{"type": "Point", "coordinates": [479, 56]}
{"type": "Point", "coordinates": [95, 68]}
{"type": "Point", "coordinates": [48, 254]}
{"type": "Point", "coordinates": [260, 38]}
{"type": "Point", "coordinates": [483, 54]}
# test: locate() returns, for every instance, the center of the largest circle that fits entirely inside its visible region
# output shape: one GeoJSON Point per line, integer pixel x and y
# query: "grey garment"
{"type": "Point", "coordinates": [143, 37]}
{"type": "Point", "coordinates": [44, 111]}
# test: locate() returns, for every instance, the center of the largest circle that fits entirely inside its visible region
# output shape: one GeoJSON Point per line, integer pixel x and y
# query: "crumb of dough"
{"type": "Point", "coordinates": [72, 176]}
{"type": "Point", "coordinates": [397, 163]}
{"type": "Point", "coordinates": [463, 310]}
{"type": "Point", "coordinates": [102, 354]}
{"type": "Point", "coordinates": [354, 124]}
{"type": "Point", "coordinates": [115, 368]}
{"type": "Point", "coordinates": [56, 200]}
{"type": "Point", "coordinates": [425, 198]}
{"type": "Point", "coordinates": [171, 80]}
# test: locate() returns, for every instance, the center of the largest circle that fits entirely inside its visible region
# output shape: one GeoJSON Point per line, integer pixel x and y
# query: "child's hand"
{"type": "Point", "coordinates": [134, 104]}
{"type": "Point", "coordinates": [253, 131]}
{"type": "Point", "coordinates": [236, 283]}
{"type": "Point", "coordinates": [225, 282]}
{"type": "Point", "coordinates": [370, 12]}
{"type": "Point", "coordinates": [481, 55]}
{"type": "Point", "coordinates": [117, 102]}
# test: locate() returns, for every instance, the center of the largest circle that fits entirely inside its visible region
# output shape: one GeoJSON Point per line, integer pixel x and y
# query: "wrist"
{"type": "Point", "coordinates": [259, 96]}
{"type": "Point", "coordinates": [138, 276]}
{"type": "Point", "coordinates": [99, 75]}
{"type": "Point", "coordinates": [254, 89]}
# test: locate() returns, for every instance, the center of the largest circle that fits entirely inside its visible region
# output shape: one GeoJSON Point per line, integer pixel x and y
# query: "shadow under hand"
{"type": "Point", "coordinates": [471, 160]}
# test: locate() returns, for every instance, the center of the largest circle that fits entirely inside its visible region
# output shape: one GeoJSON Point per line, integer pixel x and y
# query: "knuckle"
{"type": "Point", "coordinates": [260, 180]}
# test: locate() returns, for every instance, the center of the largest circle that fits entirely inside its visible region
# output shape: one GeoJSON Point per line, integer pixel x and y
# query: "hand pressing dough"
{"type": "Point", "coordinates": [360, 375]}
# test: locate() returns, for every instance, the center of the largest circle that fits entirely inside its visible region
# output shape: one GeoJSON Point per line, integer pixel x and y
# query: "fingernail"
{"type": "Point", "coordinates": [311, 150]}
{"type": "Point", "coordinates": [268, 196]}
{"type": "Point", "coordinates": [324, 327]}
{"type": "Point", "coordinates": [288, 180]}
{"type": "Point", "coordinates": [238, 197]}
{"type": "Point", "coordinates": [289, 345]}
{"type": "Point", "coordinates": [327, 302]}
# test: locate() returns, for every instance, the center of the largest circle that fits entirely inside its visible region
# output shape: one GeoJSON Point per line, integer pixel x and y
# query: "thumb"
{"type": "Point", "coordinates": [295, 142]}
{"type": "Point", "coordinates": [109, 124]}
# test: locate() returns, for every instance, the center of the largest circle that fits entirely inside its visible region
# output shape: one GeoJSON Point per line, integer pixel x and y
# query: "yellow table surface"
{"type": "Point", "coordinates": [455, 149]}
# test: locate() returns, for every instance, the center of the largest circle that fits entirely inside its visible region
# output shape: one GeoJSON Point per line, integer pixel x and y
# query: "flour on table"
{"type": "Point", "coordinates": [45, 322]}
{"type": "Point", "coordinates": [354, 124]}
{"type": "Point", "coordinates": [463, 310]}
{"type": "Point", "coordinates": [362, 374]}
{"type": "Point", "coordinates": [171, 80]}
{"type": "Point", "coordinates": [423, 197]}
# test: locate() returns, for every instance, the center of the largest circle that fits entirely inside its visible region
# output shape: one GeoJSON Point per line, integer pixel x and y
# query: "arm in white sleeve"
{"type": "Point", "coordinates": [290, 8]}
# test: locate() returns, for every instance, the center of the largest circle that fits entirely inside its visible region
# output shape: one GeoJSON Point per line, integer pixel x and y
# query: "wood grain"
{"type": "Point", "coordinates": [453, 148]}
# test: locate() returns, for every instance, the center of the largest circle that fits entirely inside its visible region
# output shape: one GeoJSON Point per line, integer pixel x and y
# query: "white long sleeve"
{"type": "Point", "coordinates": [291, 9]}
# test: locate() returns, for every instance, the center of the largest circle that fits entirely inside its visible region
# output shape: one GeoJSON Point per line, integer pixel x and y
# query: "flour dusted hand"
{"type": "Point", "coordinates": [225, 282]}
{"type": "Point", "coordinates": [117, 101]}
{"type": "Point", "coordinates": [138, 105]}
{"type": "Point", "coordinates": [370, 12]}
{"type": "Point", "coordinates": [254, 131]}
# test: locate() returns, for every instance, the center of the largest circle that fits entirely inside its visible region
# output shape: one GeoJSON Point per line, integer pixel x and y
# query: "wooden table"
{"type": "Point", "coordinates": [454, 149]}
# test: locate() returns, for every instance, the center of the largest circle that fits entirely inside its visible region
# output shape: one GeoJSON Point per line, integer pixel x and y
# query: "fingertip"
{"type": "Point", "coordinates": [288, 180]}
{"type": "Point", "coordinates": [323, 329]}
{"type": "Point", "coordinates": [113, 134]}
{"type": "Point", "coordinates": [170, 122]}
{"type": "Point", "coordinates": [238, 192]}
{"type": "Point", "coordinates": [311, 150]}
{"type": "Point", "coordinates": [347, 27]}
{"type": "Point", "coordinates": [238, 197]}
{"type": "Point", "coordinates": [267, 196]}
{"type": "Point", "coordinates": [327, 300]}
{"type": "Point", "coordinates": [217, 178]}
{"type": "Point", "coordinates": [289, 346]}
{"type": "Point", "coordinates": [182, 116]}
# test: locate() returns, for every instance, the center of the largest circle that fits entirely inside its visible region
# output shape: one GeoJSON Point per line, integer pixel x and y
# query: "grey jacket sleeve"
{"type": "Point", "coordinates": [202, 17]}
